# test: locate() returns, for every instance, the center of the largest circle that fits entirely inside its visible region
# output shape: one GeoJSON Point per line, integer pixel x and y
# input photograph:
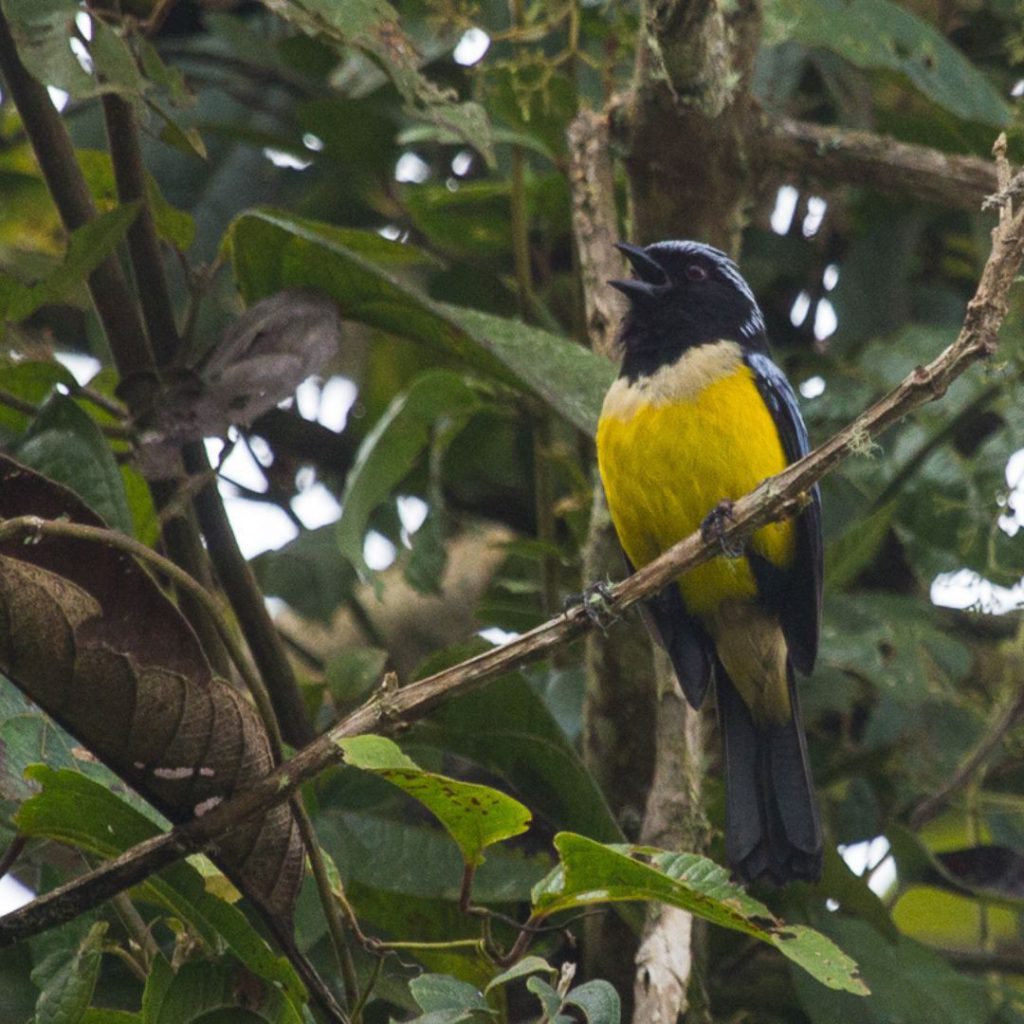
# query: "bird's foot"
{"type": "Point", "coordinates": [596, 603]}
{"type": "Point", "coordinates": [713, 528]}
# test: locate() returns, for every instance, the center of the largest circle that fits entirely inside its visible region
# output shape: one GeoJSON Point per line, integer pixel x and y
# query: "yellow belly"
{"type": "Point", "coordinates": [665, 464]}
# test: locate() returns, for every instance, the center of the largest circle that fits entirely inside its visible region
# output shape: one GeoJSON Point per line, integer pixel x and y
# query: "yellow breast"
{"type": "Point", "coordinates": [673, 445]}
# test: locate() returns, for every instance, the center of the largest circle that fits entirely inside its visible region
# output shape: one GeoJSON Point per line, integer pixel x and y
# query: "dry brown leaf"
{"type": "Point", "coordinates": [90, 637]}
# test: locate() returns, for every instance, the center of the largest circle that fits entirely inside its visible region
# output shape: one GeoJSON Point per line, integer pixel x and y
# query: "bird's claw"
{"type": "Point", "coordinates": [713, 528]}
{"type": "Point", "coordinates": [596, 603]}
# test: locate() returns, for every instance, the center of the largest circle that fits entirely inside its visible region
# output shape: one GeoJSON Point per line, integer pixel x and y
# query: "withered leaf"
{"type": "Point", "coordinates": [261, 359]}
{"type": "Point", "coordinates": [90, 637]}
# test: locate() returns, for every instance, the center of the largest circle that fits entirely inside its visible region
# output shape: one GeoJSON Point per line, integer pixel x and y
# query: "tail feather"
{"type": "Point", "coordinates": [772, 826]}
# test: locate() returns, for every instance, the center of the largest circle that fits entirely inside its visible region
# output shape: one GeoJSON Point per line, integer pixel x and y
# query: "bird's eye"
{"type": "Point", "coordinates": [695, 272]}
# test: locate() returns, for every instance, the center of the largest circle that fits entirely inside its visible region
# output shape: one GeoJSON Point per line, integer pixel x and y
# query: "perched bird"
{"type": "Point", "coordinates": [698, 416]}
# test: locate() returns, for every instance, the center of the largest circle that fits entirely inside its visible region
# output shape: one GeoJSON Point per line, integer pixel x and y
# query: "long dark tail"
{"type": "Point", "coordinates": [773, 831]}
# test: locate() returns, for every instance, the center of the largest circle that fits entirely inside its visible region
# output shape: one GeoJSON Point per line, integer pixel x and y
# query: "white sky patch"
{"type": "Point", "coordinates": [816, 207]}
{"type": "Point", "coordinates": [392, 232]}
{"type": "Point", "coordinates": [13, 894]}
{"type": "Point", "coordinates": [289, 161]}
{"type": "Point", "coordinates": [82, 55]}
{"type": "Point", "coordinates": [258, 525]}
{"type": "Point", "coordinates": [830, 278]}
{"type": "Point", "coordinates": [412, 511]}
{"type": "Point", "coordinates": [58, 97]}
{"type": "Point", "coordinates": [785, 207]}
{"type": "Point", "coordinates": [316, 506]}
{"type": "Point", "coordinates": [84, 24]}
{"type": "Point", "coordinates": [497, 636]}
{"type": "Point", "coordinates": [967, 589]}
{"type": "Point", "coordinates": [336, 400]}
{"type": "Point", "coordinates": [825, 320]}
{"type": "Point", "coordinates": [462, 162]}
{"type": "Point", "coordinates": [872, 855]}
{"type": "Point", "coordinates": [812, 387]}
{"type": "Point", "coordinates": [411, 169]}
{"type": "Point", "coordinates": [307, 398]}
{"type": "Point", "coordinates": [801, 306]}
{"type": "Point", "coordinates": [378, 551]}
{"type": "Point", "coordinates": [243, 469]}
{"type": "Point", "coordinates": [1018, 89]}
{"type": "Point", "coordinates": [313, 142]}
{"type": "Point", "coordinates": [83, 368]}
{"type": "Point", "coordinates": [471, 47]}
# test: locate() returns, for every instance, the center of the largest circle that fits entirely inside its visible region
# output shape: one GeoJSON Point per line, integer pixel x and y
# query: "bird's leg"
{"type": "Point", "coordinates": [595, 601]}
{"type": "Point", "coordinates": [713, 528]}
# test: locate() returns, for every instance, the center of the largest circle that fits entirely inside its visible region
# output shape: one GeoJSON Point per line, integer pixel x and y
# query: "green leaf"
{"type": "Point", "coordinates": [42, 29]}
{"type": "Point", "coordinates": [882, 34]}
{"type": "Point", "coordinates": [856, 547]}
{"type": "Point", "coordinates": [272, 251]}
{"type": "Point", "coordinates": [67, 979]}
{"type": "Point", "coordinates": [65, 445]}
{"type": "Point", "coordinates": [75, 810]}
{"type": "Point", "coordinates": [908, 983]}
{"type": "Point", "coordinates": [522, 969]}
{"type": "Point", "coordinates": [593, 873]}
{"type": "Point", "coordinates": [430, 412]}
{"type": "Point", "coordinates": [309, 573]}
{"type": "Point", "coordinates": [87, 248]}
{"type": "Point", "coordinates": [434, 992]}
{"type": "Point", "coordinates": [31, 382]}
{"type": "Point", "coordinates": [96, 1015]}
{"type": "Point", "coordinates": [205, 991]}
{"type": "Point", "coordinates": [376, 848]}
{"type": "Point", "coordinates": [174, 226]}
{"type": "Point", "coordinates": [373, 27]}
{"type": "Point", "coordinates": [351, 674]}
{"type": "Point", "coordinates": [598, 1000]}
{"type": "Point", "coordinates": [474, 816]}
{"type": "Point", "coordinates": [507, 729]}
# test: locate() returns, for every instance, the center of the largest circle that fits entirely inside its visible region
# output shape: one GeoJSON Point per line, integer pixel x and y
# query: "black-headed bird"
{"type": "Point", "coordinates": [698, 416]}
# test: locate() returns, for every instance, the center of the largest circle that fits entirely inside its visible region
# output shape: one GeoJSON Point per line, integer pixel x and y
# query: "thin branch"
{"type": "Point", "coordinates": [143, 244]}
{"type": "Point", "coordinates": [247, 601]}
{"type": "Point", "coordinates": [827, 155]}
{"type": "Point", "coordinates": [972, 763]}
{"type": "Point", "coordinates": [776, 498]}
{"type": "Point", "coordinates": [55, 153]}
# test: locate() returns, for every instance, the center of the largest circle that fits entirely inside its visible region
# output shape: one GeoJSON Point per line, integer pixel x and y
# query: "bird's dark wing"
{"type": "Point", "coordinates": [798, 590]}
{"type": "Point", "coordinates": [687, 645]}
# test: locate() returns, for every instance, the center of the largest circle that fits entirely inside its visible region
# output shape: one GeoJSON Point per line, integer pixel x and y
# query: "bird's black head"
{"type": "Point", "coordinates": [684, 294]}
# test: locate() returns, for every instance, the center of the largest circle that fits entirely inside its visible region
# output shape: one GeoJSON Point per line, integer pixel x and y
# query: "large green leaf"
{"type": "Point", "coordinates": [42, 29]}
{"type": "Point", "coordinates": [67, 977]}
{"type": "Point", "coordinates": [66, 445]}
{"type": "Point", "coordinates": [87, 248]}
{"type": "Point", "coordinates": [908, 982]}
{"type": "Point", "coordinates": [428, 414]}
{"type": "Point", "coordinates": [882, 34]}
{"type": "Point", "coordinates": [75, 810]}
{"type": "Point", "coordinates": [508, 729]}
{"type": "Point", "coordinates": [272, 251]}
{"type": "Point", "coordinates": [474, 816]}
{"type": "Point", "coordinates": [592, 873]}
{"type": "Point", "coordinates": [208, 992]}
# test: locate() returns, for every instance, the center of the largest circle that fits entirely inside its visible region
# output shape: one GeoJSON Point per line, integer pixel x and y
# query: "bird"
{"type": "Point", "coordinates": [698, 416]}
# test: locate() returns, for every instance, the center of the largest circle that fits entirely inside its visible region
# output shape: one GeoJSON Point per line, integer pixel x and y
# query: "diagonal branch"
{"type": "Point", "coordinates": [779, 497]}
{"type": "Point", "coordinates": [827, 155]}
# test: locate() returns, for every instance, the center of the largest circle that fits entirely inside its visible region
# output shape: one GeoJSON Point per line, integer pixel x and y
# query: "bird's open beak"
{"type": "Point", "coordinates": [650, 278]}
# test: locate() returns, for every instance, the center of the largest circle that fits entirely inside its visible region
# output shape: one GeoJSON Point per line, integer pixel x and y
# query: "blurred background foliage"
{"type": "Point", "coordinates": [411, 162]}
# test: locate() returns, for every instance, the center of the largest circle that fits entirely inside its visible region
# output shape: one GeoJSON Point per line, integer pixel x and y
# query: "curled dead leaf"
{"type": "Point", "coordinates": [89, 636]}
